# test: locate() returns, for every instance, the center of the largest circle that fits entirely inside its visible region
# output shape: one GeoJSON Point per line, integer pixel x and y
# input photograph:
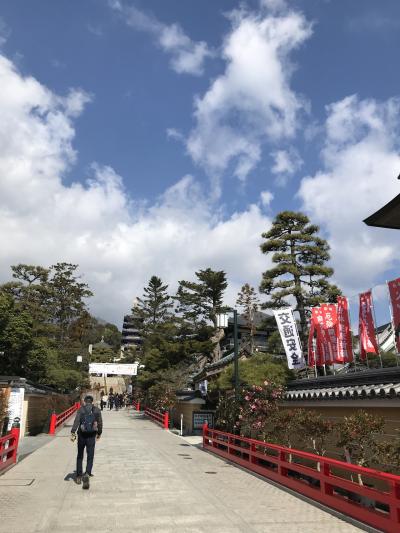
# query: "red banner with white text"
{"type": "Point", "coordinates": [329, 315]}
{"type": "Point", "coordinates": [322, 319]}
{"type": "Point", "coordinates": [345, 345]}
{"type": "Point", "coordinates": [368, 341]}
{"type": "Point", "coordinates": [394, 293]}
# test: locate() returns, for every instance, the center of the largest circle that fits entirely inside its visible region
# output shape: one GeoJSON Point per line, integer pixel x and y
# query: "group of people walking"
{"type": "Point", "coordinates": [113, 400]}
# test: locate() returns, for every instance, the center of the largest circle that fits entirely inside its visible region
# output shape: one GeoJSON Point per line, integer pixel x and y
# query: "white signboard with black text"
{"type": "Point", "coordinates": [114, 369]}
{"type": "Point", "coordinates": [290, 338]}
{"type": "Point", "coordinates": [15, 405]}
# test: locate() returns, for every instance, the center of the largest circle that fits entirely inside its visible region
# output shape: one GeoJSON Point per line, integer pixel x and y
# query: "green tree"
{"type": "Point", "coordinates": [155, 305]}
{"type": "Point", "coordinates": [67, 296]}
{"type": "Point", "coordinates": [254, 371]}
{"type": "Point", "coordinates": [203, 299]}
{"type": "Point", "coordinates": [300, 270]}
{"type": "Point", "coordinates": [16, 336]}
{"type": "Point", "coordinates": [199, 302]}
{"type": "Point", "coordinates": [249, 302]}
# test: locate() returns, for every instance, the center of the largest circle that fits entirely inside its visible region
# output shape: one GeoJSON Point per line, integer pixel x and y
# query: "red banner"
{"type": "Point", "coordinates": [368, 342]}
{"type": "Point", "coordinates": [345, 345]}
{"type": "Point", "coordinates": [318, 318]}
{"type": "Point", "coordinates": [329, 315]}
{"type": "Point", "coordinates": [394, 293]}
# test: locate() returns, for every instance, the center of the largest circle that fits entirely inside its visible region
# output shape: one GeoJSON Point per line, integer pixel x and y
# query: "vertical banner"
{"type": "Point", "coordinates": [368, 341]}
{"type": "Point", "coordinates": [329, 330]}
{"type": "Point", "coordinates": [290, 338]}
{"type": "Point", "coordinates": [318, 321]}
{"type": "Point", "coordinates": [345, 345]}
{"type": "Point", "coordinates": [394, 294]}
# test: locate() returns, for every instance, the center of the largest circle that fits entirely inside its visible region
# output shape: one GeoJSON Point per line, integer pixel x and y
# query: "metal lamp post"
{"type": "Point", "coordinates": [222, 322]}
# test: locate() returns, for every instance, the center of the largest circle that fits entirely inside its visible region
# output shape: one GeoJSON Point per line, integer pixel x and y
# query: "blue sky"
{"type": "Point", "coordinates": [162, 136]}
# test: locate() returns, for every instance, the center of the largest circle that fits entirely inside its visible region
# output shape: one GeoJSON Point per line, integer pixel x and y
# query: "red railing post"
{"type": "Point", "coordinates": [205, 427]}
{"type": "Point", "coordinates": [15, 431]}
{"type": "Point", "coordinates": [53, 421]}
{"type": "Point", "coordinates": [166, 420]}
{"type": "Point", "coordinates": [137, 406]}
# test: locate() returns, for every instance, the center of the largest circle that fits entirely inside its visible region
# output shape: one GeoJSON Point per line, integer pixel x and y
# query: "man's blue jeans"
{"type": "Point", "coordinates": [88, 442]}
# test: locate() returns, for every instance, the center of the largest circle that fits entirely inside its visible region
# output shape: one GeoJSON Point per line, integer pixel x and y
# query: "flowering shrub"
{"type": "Point", "coordinates": [161, 397]}
{"type": "Point", "coordinates": [357, 435]}
{"type": "Point", "coordinates": [257, 405]}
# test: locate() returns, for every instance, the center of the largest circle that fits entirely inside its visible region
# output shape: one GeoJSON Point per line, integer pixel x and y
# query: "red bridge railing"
{"type": "Point", "coordinates": [365, 494]}
{"type": "Point", "coordinates": [57, 420]}
{"type": "Point", "coordinates": [136, 406]}
{"type": "Point", "coordinates": [9, 448]}
{"type": "Point", "coordinates": [159, 418]}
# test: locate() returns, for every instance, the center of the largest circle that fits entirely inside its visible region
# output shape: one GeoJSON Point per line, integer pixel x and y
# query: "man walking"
{"type": "Point", "coordinates": [89, 424]}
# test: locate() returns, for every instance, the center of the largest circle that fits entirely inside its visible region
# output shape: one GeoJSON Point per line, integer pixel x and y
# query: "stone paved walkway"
{"type": "Point", "coordinates": [147, 479]}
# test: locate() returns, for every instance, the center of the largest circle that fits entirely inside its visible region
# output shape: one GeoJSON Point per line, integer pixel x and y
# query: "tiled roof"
{"type": "Point", "coordinates": [383, 390]}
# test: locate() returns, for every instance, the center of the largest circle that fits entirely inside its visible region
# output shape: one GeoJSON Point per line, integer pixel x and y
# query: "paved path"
{"type": "Point", "coordinates": [147, 479]}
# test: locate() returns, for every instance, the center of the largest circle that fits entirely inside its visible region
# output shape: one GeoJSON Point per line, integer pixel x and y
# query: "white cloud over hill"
{"type": "Point", "coordinates": [119, 242]}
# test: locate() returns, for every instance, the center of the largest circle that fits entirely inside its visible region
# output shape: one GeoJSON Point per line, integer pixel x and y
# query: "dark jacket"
{"type": "Point", "coordinates": [80, 414]}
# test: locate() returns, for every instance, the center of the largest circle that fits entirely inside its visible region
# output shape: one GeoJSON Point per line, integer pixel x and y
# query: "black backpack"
{"type": "Point", "coordinates": [88, 422]}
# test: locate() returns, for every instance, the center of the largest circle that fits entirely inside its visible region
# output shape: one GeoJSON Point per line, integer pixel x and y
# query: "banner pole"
{"type": "Point", "coordinates": [375, 328]}
{"type": "Point", "coordinates": [393, 326]}
{"type": "Point", "coordinates": [351, 336]}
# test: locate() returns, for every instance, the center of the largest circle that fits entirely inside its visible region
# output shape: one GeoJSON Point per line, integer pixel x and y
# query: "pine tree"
{"type": "Point", "coordinates": [199, 302]}
{"type": "Point", "coordinates": [67, 295]}
{"type": "Point", "coordinates": [204, 299]}
{"type": "Point", "coordinates": [249, 302]}
{"type": "Point", "coordinates": [300, 256]}
{"type": "Point", "coordinates": [156, 304]}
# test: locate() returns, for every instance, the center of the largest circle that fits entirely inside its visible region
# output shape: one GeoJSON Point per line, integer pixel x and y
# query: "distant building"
{"type": "Point", "coordinates": [265, 324]}
{"type": "Point", "coordinates": [131, 328]}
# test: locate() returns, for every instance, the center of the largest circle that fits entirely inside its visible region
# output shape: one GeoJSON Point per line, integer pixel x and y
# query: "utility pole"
{"type": "Point", "coordinates": [236, 352]}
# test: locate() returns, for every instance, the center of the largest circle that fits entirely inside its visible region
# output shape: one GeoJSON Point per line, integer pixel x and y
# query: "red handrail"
{"type": "Point", "coordinates": [159, 418]}
{"type": "Point", "coordinates": [9, 448]}
{"type": "Point", "coordinates": [136, 406]}
{"type": "Point", "coordinates": [58, 420]}
{"type": "Point", "coordinates": [331, 482]}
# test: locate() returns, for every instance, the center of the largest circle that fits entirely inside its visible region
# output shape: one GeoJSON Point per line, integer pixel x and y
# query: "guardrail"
{"type": "Point", "coordinates": [136, 406]}
{"type": "Point", "coordinates": [368, 495]}
{"type": "Point", "coordinates": [58, 420]}
{"type": "Point", "coordinates": [9, 449]}
{"type": "Point", "coordinates": [159, 418]}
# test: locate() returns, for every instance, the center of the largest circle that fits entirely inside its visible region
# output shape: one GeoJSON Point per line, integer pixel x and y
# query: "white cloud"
{"type": "Point", "coordinates": [95, 29]}
{"type": "Point", "coordinates": [187, 56]}
{"type": "Point", "coordinates": [173, 133]}
{"type": "Point", "coordinates": [287, 162]}
{"type": "Point", "coordinates": [118, 242]}
{"type": "Point", "coordinates": [361, 160]}
{"type": "Point", "coordinates": [4, 32]}
{"type": "Point", "coordinates": [252, 101]}
{"type": "Point", "coordinates": [266, 198]}
{"type": "Point", "coordinates": [273, 5]}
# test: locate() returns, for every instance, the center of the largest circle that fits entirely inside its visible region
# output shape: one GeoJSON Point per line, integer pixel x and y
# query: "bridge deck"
{"type": "Point", "coordinates": [146, 479]}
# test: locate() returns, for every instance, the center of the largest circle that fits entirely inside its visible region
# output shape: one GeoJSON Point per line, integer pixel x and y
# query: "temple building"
{"type": "Point", "coordinates": [131, 337]}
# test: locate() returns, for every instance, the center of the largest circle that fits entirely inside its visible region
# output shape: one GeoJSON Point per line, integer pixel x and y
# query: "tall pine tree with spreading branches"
{"type": "Point", "coordinates": [300, 270]}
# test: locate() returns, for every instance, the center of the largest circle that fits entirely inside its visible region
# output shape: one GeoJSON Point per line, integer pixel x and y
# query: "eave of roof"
{"type": "Point", "coordinates": [387, 216]}
{"type": "Point", "coordinates": [388, 390]}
